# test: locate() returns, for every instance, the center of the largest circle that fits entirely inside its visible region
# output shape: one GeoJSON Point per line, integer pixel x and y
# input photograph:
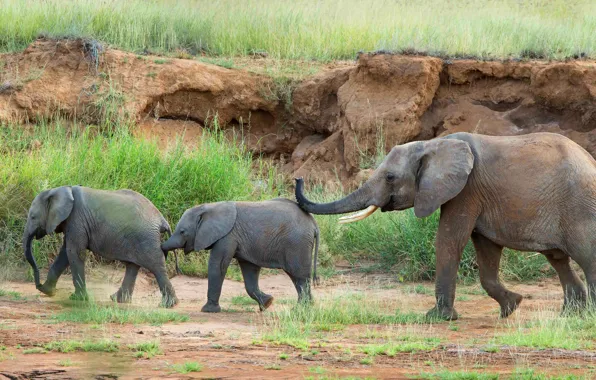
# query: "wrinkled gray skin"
{"type": "Point", "coordinates": [118, 225]}
{"type": "Point", "coordinates": [268, 234]}
{"type": "Point", "coordinates": [534, 192]}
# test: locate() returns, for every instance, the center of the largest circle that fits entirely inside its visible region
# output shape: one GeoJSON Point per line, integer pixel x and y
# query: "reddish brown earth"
{"type": "Point", "coordinates": [331, 122]}
{"type": "Point", "coordinates": [229, 344]}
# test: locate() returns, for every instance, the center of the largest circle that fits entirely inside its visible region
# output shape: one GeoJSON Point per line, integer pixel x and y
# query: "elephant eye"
{"type": "Point", "coordinates": [389, 177]}
{"type": "Point", "coordinates": [182, 232]}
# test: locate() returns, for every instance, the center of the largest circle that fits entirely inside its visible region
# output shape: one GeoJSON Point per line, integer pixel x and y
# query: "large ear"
{"type": "Point", "coordinates": [214, 223]}
{"type": "Point", "coordinates": [60, 202]}
{"type": "Point", "coordinates": [444, 169]}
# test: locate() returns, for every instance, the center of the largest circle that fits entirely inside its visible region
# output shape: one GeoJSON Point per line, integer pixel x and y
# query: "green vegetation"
{"type": "Point", "coordinates": [34, 350]}
{"type": "Point", "coordinates": [526, 374]}
{"type": "Point", "coordinates": [243, 301]}
{"type": "Point", "coordinates": [296, 326]}
{"type": "Point", "coordinates": [406, 344]}
{"type": "Point", "coordinates": [12, 294]}
{"type": "Point", "coordinates": [459, 375]}
{"type": "Point", "coordinates": [571, 333]}
{"type": "Point", "coordinates": [275, 367]}
{"type": "Point", "coordinates": [146, 349]}
{"type": "Point", "coordinates": [188, 367]}
{"type": "Point", "coordinates": [91, 312]}
{"type": "Point", "coordinates": [86, 346]}
{"type": "Point", "coordinates": [312, 29]}
{"type": "Point", "coordinates": [65, 363]}
{"type": "Point", "coordinates": [283, 356]}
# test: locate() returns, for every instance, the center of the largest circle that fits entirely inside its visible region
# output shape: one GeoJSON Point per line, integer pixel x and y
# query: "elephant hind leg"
{"type": "Point", "coordinates": [158, 267]}
{"type": "Point", "coordinates": [250, 273]}
{"type": "Point", "coordinates": [573, 288]}
{"type": "Point", "coordinates": [124, 294]}
{"type": "Point", "coordinates": [302, 285]}
{"type": "Point", "coordinates": [488, 256]}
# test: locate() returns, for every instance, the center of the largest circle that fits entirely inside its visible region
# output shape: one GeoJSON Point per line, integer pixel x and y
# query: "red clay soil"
{"type": "Point", "coordinates": [230, 344]}
{"type": "Point", "coordinates": [331, 121]}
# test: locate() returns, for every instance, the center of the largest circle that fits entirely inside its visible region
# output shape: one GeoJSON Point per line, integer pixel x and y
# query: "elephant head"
{"type": "Point", "coordinates": [422, 174]}
{"type": "Point", "coordinates": [48, 210]}
{"type": "Point", "coordinates": [202, 226]}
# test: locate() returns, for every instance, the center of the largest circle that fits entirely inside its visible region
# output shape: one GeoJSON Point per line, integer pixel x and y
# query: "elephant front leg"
{"type": "Point", "coordinates": [76, 258]}
{"type": "Point", "coordinates": [124, 294]}
{"type": "Point", "coordinates": [219, 260]}
{"type": "Point", "coordinates": [488, 256]}
{"type": "Point", "coordinates": [56, 270]}
{"type": "Point", "coordinates": [455, 227]}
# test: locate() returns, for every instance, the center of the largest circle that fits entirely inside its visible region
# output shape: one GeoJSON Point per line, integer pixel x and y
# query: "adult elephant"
{"type": "Point", "coordinates": [533, 192]}
{"type": "Point", "coordinates": [118, 225]}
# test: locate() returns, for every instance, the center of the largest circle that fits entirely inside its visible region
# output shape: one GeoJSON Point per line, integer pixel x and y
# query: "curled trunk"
{"type": "Point", "coordinates": [355, 201]}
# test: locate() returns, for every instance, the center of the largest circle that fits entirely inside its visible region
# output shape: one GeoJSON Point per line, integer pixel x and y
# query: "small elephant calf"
{"type": "Point", "coordinates": [270, 234]}
{"type": "Point", "coordinates": [118, 225]}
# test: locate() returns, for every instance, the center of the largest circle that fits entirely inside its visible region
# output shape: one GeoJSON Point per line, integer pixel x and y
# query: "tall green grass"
{"type": "Point", "coordinates": [53, 155]}
{"type": "Point", "coordinates": [321, 30]}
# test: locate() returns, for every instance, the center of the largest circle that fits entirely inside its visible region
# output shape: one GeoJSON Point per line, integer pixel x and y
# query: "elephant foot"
{"type": "Point", "coordinates": [511, 304]}
{"type": "Point", "coordinates": [48, 290]}
{"type": "Point", "coordinates": [78, 296]}
{"type": "Point", "coordinates": [442, 313]}
{"type": "Point", "coordinates": [120, 297]}
{"type": "Point", "coordinates": [169, 302]}
{"type": "Point", "coordinates": [211, 308]}
{"type": "Point", "coordinates": [267, 301]}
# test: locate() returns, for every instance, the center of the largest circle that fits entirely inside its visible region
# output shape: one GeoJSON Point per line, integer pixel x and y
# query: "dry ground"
{"type": "Point", "coordinates": [231, 344]}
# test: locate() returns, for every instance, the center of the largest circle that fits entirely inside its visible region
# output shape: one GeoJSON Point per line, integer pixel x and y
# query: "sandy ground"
{"type": "Point", "coordinates": [228, 344]}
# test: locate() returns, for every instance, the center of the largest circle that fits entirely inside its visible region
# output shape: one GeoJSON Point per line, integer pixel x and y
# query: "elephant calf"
{"type": "Point", "coordinates": [118, 225]}
{"type": "Point", "coordinates": [270, 234]}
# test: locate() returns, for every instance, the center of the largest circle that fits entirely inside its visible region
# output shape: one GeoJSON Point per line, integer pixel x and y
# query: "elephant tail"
{"type": "Point", "coordinates": [315, 279]}
{"type": "Point", "coordinates": [165, 227]}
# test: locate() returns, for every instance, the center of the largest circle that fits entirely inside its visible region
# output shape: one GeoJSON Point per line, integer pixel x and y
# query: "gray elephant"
{"type": "Point", "coordinates": [533, 192]}
{"type": "Point", "coordinates": [118, 225]}
{"type": "Point", "coordinates": [268, 234]}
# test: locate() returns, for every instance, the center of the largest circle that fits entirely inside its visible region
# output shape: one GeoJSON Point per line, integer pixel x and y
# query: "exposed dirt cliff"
{"type": "Point", "coordinates": [327, 126]}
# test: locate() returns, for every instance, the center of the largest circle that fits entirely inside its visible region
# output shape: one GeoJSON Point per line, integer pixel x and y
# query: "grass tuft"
{"type": "Point", "coordinates": [85, 346]}
{"type": "Point", "coordinates": [95, 313]}
{"type": "Point", "coordinates": [188, 367]}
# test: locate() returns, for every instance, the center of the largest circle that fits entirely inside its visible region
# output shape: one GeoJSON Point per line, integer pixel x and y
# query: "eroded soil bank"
{"type": "Point", "coordinates": [323, 126]}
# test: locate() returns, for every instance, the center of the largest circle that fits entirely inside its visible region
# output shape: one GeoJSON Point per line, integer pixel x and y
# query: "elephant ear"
{"type": "Point", "coordinates": [444, 169]}
{"type": "Point", "coordinates": [214, 223]}
{"type": "Point", "coordinates": [60, 202]}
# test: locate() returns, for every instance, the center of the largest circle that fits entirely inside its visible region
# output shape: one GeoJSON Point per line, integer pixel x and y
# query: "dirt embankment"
{"type": "Point", "coordinates": [327, 125]}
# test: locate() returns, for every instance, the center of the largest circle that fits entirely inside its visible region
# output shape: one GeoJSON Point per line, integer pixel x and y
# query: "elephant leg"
{"type": "Point", "coordinates": [488, 256]}
{"type": "Point", "coordinates": [250, 273]}
{"type": "Point", "coordinates": [573, 287]}
{"type": "Point", "coordinates": [158, 268]}
{"type": "Point", "coordinates": [76, 258]}
{"type": "Point", "coordinates": [455, 227]}
{"type": "Point", "coordinates": [302, 285]}
{"type": "Point", "coordinates": [124, 294]}
{"type": "Point", "coordinates": [219, 260]}
{"type": "Point", "coordinates": [56, 270]}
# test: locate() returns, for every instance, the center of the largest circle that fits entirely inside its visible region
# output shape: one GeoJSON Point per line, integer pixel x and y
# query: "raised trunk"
{"type": "Point", "coordinates": [358, 200]}
{"type": "Point", "coordinates": [27, 241]}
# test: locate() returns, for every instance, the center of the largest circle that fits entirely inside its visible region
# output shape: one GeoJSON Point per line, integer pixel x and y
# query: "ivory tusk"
{"type": "Point", "coordinates": [358, 216]}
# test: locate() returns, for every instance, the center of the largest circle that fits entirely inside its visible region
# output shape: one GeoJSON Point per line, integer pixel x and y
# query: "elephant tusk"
{"type": "Point", "coordinates": [358, 216]}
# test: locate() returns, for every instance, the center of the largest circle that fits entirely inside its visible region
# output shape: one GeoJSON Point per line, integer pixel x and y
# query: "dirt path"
{"type": "Point", "coordinates": [230, 344]}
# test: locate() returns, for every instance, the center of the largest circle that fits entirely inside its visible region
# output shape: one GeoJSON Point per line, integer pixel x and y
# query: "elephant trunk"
{"type": "Point", "coordinates": [27, 242]}
{"type": "Point", "coordinates": [358, 200]}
